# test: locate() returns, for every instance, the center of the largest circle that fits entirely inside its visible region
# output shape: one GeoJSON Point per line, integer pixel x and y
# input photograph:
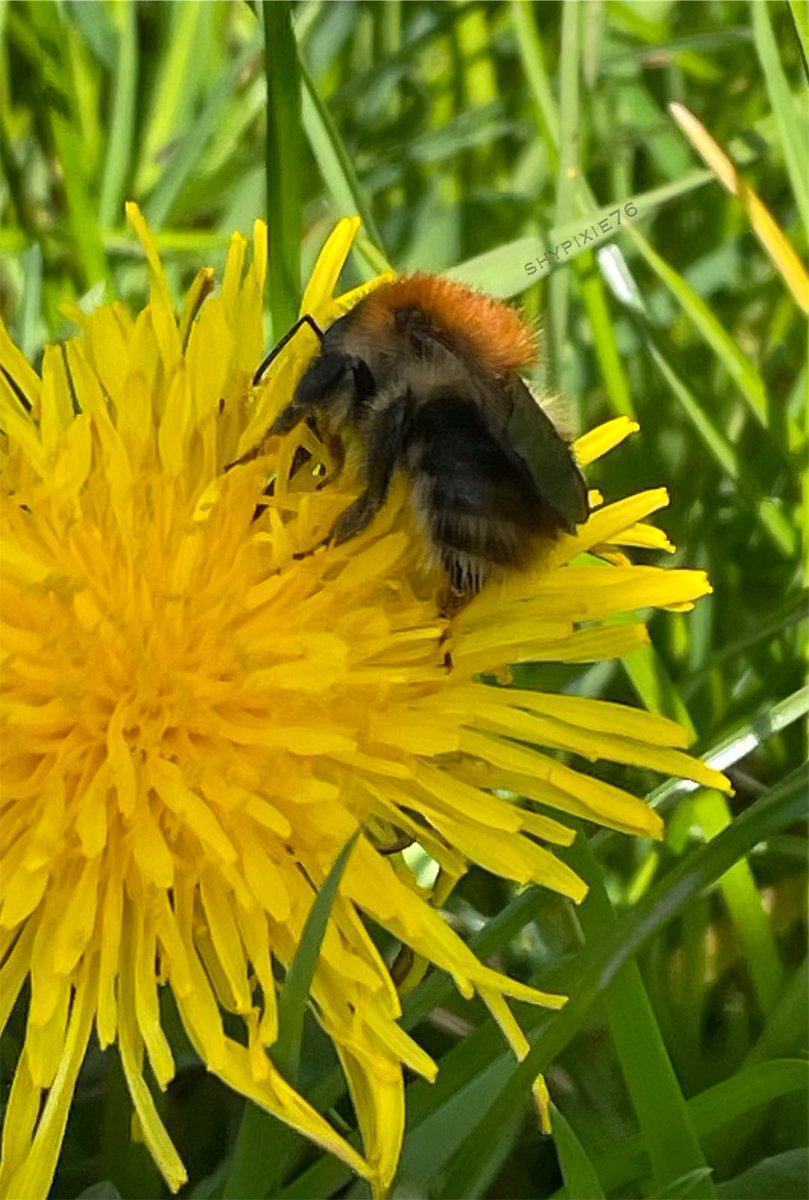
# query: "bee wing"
{"type": "Point", "coordinates": [547, 456]}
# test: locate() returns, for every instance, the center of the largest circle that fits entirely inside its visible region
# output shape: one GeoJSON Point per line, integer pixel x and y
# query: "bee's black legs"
{"type": "Point", "coordinates": [278, 347]}
{"type": "Point", "coordinates": [450, 602]}
{"type": "Point", "coordinates": [383, 451]}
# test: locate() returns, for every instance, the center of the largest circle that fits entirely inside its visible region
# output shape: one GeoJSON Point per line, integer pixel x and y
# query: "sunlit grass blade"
{"type": "Point", "coordinates": [772, 238]}
{"type": "Point", "coordinates": [118, 161]}
{"type": "Point", "coordinates": [767, 723]}
{"type": "Point", "coordinates": [177, 83]}
{"type": "Point", "coordinates": [800, 20]}
{"type": "Point", "coordinates": [591, 287]}
{"type": "Point", "coordinates": [29, 333]}
{"type": "Point", "coordinates": [793, 131]}
{"type": "Point", "coordinates": [530, 47]}
{"type": "Point", "coordinates": [780, 530]}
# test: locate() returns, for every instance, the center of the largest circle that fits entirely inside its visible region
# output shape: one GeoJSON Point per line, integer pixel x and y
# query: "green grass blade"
{"type": "Point", "coordinates": [188, 148]}
{"type": "Point", "coordinates": [570, 166]}
{"type": "Point", "coordinates": [174, 93]}
{"type": "Point", "coordinates": [791, 128]}
{"type": "Point", "coordinates": [780, 1177]}
{"type": "Point", "coordinates": [669, 1135]}
{"type": "Point", "coordinates": [799, 11]}
{"type": "Point", "coordinates": [600, 962]}
{"type": "Point", "coordinates": [739, 367]}
{"type": "Point", "coordinates": [579, 1173]}
{"type": "Point", "coordinates": [787, 1023]}
{"type": "Point", "coordinates": [439, 1115]}
{"type": "Point", "coordinates": [118, 159]}
{"type": "Point", "coordinates": [285, 146]}
{"type": "Point", "coordinates": [53, 63]}
{"type": "Point", "coordinates": [298, 982]}
{"type": "Point", "coordinates": [776, 523]}
{"type": "Point", "coordinates": [28, 336]}
{"type": "Point", "coordinates": [530, 47]}
{"type": "Point", "coordinates": [742, 897]}
{"type": "Point", "coordinates": [334, 160]}
{"type": "Point", "coordinates": [503, 272]}
{"type": "Point", "coordinates": [727, 1103]}
{"type": "Point", "coordinates": [654, 685]}
{"type": "Point", "coordinates": [591, 287]}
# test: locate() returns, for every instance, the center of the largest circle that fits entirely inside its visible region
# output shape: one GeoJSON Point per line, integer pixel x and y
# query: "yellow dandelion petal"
{"type": "Point", "coordinates": [161, 312]}
{"type": "Point", "coordinates": [29, 1166]}
{"type": "Point", "coordinates": [378, 1097]}
{"type": "Point", "coordinates": [153, 1131]}
{"type": "Point", "coordinates": [202, 702]}
{"type": "Point", "coordinates": [331, 260]}
{"type": "Point", "coordinates": [599, 441]}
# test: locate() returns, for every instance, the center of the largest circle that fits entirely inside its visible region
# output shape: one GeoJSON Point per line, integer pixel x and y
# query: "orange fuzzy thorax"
{"type": "Point", "coordinates": [496, 335]}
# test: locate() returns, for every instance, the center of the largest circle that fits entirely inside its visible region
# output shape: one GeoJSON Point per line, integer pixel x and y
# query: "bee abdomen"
{"type": "Point", "coordinates": [475, 496]}
{"type": "Point", "coordinates": [473, 548]}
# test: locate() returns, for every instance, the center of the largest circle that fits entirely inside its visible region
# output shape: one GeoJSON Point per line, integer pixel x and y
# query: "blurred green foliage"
{"type": "Point", "coordinates": [471, 137]}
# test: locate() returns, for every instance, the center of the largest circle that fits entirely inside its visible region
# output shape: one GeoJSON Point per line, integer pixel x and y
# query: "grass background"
{"type": "Point", "coordinates": [469, 136]}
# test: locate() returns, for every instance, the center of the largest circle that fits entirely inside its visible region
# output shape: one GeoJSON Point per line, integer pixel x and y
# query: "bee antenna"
{"type": "Point", "coordinates": [306, 319]}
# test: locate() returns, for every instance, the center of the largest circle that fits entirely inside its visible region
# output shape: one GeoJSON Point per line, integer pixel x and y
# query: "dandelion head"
{"type": "Point", "coordinates": [202, 703]}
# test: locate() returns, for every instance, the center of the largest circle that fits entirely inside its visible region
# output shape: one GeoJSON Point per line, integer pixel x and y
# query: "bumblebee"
{"type": "Point", "coordinates": [424, 374]}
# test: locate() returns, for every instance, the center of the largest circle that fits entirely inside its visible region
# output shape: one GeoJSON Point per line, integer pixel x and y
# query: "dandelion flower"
{"type": "Point", "coordinates": [196, 719]}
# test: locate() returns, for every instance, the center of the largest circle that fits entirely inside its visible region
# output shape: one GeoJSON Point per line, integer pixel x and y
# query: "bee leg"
{"type": "Point", "coordinates": [285, 421]}
{"type": "Point", "coordinates": [450, 602]}
{"type": "Point", "coordinates": [320, 384]}
{"type": "Point", "coordinates": [383, 453]}
{"type": "Point", "coordinates": [301, 554]}
{"type": "Point", "coordinates": [306, 319]}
